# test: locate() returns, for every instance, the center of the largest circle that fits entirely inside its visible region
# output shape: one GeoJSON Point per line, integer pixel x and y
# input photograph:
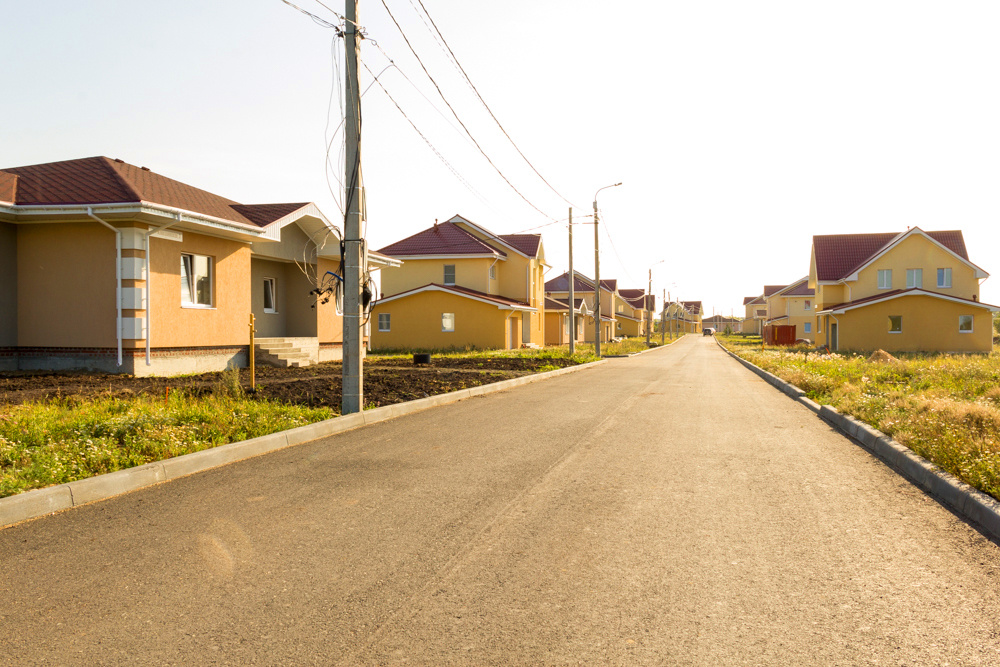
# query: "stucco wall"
{"type": "Point", "coordinates": [470, 273]}
{"type": "Point", "coordinates": [8, 285]}
{"type": "Point", "coordinates": [268, 325]}
{"type": "Point", "coordinates": [929, 325]}
{"type": "Point", "coordinates": [416, 323]}
{"type": "Point", "coordinates": [329, 325]}
{"type": "Point", "coordinates": [916, 252]}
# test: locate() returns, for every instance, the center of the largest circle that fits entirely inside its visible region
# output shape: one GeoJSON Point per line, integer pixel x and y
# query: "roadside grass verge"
{"type": "Point", "coordinates": [67, 439]}
{"type": "Point", "coordinates": [944, 407]}
{"type": "Point", "coordinates": [581, 356]}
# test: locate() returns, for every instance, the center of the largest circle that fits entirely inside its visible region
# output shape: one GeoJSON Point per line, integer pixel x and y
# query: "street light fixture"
{"type": "Point", "coordinates": [597, 276]}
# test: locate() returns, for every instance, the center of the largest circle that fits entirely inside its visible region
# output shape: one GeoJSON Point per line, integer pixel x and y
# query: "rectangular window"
{"type": "Point", "coordinates": [808, 327]}
{"type": "Point", "coordinates": [384, 321]}
{"type": "Point", "coordinates": [944, 277]}
{"type": "Point", "coordinates": [196, 281]}
{"type": "Point", "coordinates": [885, 278]}
{"type": "Point", "coordinates": [965, 323]}
{"type": "Point", "coordinates": [493, 271]}
{"type": "Point", "coordinates": [914, 278]}
{"type": "Point", "coordinates": [269, 306]}
{"type": "Point", "coordinates": [895, 324]}
{"type": "Point", "coordinates": [447, 321]}
{"type": "Point", "coordinates": [809, 304]}
{"type": "Point", "coordinates": [449, 274]}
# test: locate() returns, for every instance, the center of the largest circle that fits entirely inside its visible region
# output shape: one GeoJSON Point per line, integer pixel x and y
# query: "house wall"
{"type": "Point", "coordinates": [416, 323]}
{"type": "Point", "coordinates": [226, 322]}
{"type": "Point", "coordinates": [929, 325]}
{"type": "Point", "coordinates": [8, 285]}
{"type": "Point", "coordinates": [470, 273]}
{"type": "Point", "coordinates": [917, 252]}
{"type": "Point", "coordinates": [66, 286]}
{"type": "Point", "coordinates": [555, 328]}
{"type": "Point", "coordinates": [268, 325]}
{"type": "Point", "coordinates": [830, 295]}
{"type": "Point", "coordinates": [329, 324]}
{"type": "Point", "coordinates": [798, 316]}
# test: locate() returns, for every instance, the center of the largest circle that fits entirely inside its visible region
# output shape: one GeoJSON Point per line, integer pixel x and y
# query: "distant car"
{"type": "Point", "coordinates": [708, 331]}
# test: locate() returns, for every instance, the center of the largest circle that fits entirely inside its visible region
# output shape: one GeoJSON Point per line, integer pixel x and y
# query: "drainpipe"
{"type": "Point", "coordinates": [118, 278]}
{"type": "Point", "coordinates": [149, 276]}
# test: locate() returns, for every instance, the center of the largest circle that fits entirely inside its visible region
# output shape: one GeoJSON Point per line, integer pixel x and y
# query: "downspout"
{"type": "Point", "coordinates": [118, 278]}
{"type": "Point", "coordinates": [149, 276]}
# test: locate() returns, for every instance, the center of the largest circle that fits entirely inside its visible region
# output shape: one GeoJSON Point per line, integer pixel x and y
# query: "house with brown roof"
{"type": "Point", "coordinates": [755, 314]}
{"type": "Point", "coordinates": [460, 285]}
{"type": "Point", "coordinates": [907, 291]}
{"type": "Point", "coordinates": [557, 321]}
{"type": "Point", "coordinates": [583, 288]}
{"type": "Point", "coordinates": [633, 312]}
{"type": "Point", "coordinates": [114, 267]}
{"type": "Point", "coordinates": [693, 314]}
{"type": "Point", "coordinates": [792, 305]}
{"type": "Point", "coordinates": [722, 322]}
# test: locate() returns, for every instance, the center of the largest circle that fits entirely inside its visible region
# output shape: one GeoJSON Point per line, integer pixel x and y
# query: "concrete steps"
{"type": "Point", "coordinates": [287, 352]}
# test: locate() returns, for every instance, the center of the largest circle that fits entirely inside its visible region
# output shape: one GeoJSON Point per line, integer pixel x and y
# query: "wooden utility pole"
{"type": "Point", "coordinates": [649, 308]}
{"type": "Point", "coordinates": [352, 398]}
{"type": "Point", "coordinates": [663, 320]}
{"type": "Point", "coordinates": [572, 294]}
{"type": "Point", "coordinates": [597, 284]}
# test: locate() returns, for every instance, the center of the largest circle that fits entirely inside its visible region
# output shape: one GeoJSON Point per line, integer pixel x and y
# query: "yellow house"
{"type": "Point", "coordinates": [634, 315]}
{"type": "Point", "coordinates": [755, 312]}
{"type": "Point", "coordinates": [793, 305]}
{"type": "Point", "coordinates": [557, 320]}
{"type": "Point", "coordinates": [583, 288]}
{"type": "Point", "coordinates": [693, 314]}
{"type": "Point", "coordinates": [461, 285]}
{"type": "Point", "coordinates": [113, 267]}
{"type": "Point", "coordinates": [912, 291]}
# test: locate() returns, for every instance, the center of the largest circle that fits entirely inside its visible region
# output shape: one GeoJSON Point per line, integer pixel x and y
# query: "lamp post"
{"type": "Point", "coordinates": [649, 306]}
{"type": "Point", "coordinates": [597, 275]}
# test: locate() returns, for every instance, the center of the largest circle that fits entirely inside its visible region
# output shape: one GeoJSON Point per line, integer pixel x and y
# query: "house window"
{"type": "Point", "coordinates": [914, 278]}
{"type": "Point", "coordinates": [809, 305]}
{"type": "Point", "coordinates": [895, 324]}
{"type": "Point", "coordinates": [269, 306]}
{"type": "Point", "coordinates": [965, 324]}
{"type": "Point", "coordinates": [384, 321]}
{"type": "Point", "coordinates": [885, 278]}
{"type": "Point", "coordinates": [196, 281]}
{"type": "Point", "coordinates": [808, 327]}
{"type": "Point", "coordinates": [449, 274]}
{"type": "Point", "coordinates": [493, 272]}
{"type": "Point", "coordinates": [944, 277]}
{"type": "Point", "coordinates": [447, 321]}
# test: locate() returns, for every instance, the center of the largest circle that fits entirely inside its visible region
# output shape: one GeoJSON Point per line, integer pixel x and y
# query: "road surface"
{"type": "Point", "coordinates": [665, 509]}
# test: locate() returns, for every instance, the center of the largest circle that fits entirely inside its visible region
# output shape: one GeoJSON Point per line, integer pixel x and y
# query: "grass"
{"type": "Point", "coordinates": [945, 408]}
{"type": "Point", "coordinates": [581, 356]}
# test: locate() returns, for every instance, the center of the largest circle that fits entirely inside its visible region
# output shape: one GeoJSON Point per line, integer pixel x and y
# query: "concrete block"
{"type": "Point", "coordinates": [984, 511]}
{"type": "Point", "coordinates": [948, 490]}
{"type": "Point", "coordinates": [310, 432]}
{"type": "Point", "coordinates": [888, 450]}
{"type": "Point", "coordinates": [914, 468]}
{"type": "Point", "coordinates": [379, 414]}
{"type": "Point", "coordinates": [116, 483]}
{"type": "Point", "coordinates": [868, 435]}
{"type": "Point", "coordinates": [809, 403]}
{"type": "Point", "coordinates": [217, 456]}
{"type": "Point", "coordinates": [32, 504]}
{"type": "Point", "coordinates": [830, 415]}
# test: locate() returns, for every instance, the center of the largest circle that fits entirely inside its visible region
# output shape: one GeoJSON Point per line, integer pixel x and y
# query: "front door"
{"type": "Point", "coordinates": [834, 343]}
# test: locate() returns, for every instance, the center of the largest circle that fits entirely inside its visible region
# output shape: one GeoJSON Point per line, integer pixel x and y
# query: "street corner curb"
{"type": "Point", "coordinates": [116, 483]}
{"type": "Point", "coordinates": [32, 504]}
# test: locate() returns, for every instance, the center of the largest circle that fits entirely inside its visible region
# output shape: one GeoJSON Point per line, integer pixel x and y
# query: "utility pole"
{"type": "Point", "coordinates": [352, 397]}
{"type": "Point", "coordinates": [597, 275]}
{"type": "Point", "coordinates": [649, 307]}
{"type": "Point", "coordinates": [572, 294]}
{"type": "Point", "coordinates": [663, 320]}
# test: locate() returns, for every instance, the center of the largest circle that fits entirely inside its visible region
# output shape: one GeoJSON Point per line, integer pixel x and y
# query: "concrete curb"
{"type": "Point", "coordinates": [34, 504]}
{"type": "Point", "coordinates": [971, 504]}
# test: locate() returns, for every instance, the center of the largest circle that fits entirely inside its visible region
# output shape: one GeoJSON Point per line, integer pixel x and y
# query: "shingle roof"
{"type": "Point", "coordinates": [771, 289]}
{"type": "Point", "coordinates": [101, 180]}
{"type": "Point", "coordinates": [693, 306]}
{"type": "Point", "coordinates": [748, 300]}
{"type": "Point", "coordinates": [526, 243]}
{"type": "Point", "coordinates": [445, 238]}
{"type": "Point", "coordinates": [891, 294]}
{"type": "Point", "coordinates": [838, 255]}
{"type": "Point", "coordinates": [632, 293]}
{"type": "Point", "coordinates": [461, 291]}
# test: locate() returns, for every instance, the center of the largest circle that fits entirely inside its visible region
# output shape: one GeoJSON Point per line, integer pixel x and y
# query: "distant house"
{"type": "Point", "coordinates": [908, 291]}
{"type": "Point", "coordinates": [583, 288]}
{"type": "Point", "coordinates": [694, 314]}
{"type": "Point", "coordinates": [755, 308]}
{"type": "Point", "coordinates": [635, 310]}
{"type": "Point", "coordinates": [557, 320]}
{"type": "Point", "coordinates": [793, 305]}
{"type": "Point", "coordinates": [109, 266]}
{"type": "Point", "coordinates": [460, 285]}
{"type": "Point", "coordinates": [721, 323]}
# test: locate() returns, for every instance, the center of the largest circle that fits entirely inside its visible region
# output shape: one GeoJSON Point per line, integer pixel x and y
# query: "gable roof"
{"type": "Point", "coordinates": [502, 303]}
{"type": "Point", "coordinates": [771, 289]}
{"type": "Point", "coordinates": [581, 283]}
{"type": "Point", "coordinates": [693, 306]}
{"type": "Point", "coordinates": [526, 243]}
{"type": "Point", "coordinates": [445, 238]}
{"type": "Point", "coordinates": [748, 300]}
{"type": "Point", "coordinates": [101, 180]}
{"type": "Point", "coordinates": [897, 293]}
{"type": "Point", "coordinates": [837, 256]}
{"type": "Point", "coordinates": [798, 288]}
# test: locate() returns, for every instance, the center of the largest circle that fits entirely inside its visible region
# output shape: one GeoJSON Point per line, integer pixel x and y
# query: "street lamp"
{"type": "Point", "coordinates": [597, 276]}
{"type": "Point", "coordinates": [649, 306]}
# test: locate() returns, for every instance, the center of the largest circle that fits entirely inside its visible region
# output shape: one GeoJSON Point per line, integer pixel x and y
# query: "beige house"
{"type": "Point", "coordinates": [460, 285]}
{"type": "Point", "coordinates": [113, 267]}
{"type": "Point", "coordinates": [755, 313]}
{"type": "Point", "coordinates": [557, 323]}
{"type": "Point", "coordinates": [583, 288]}
{"type": "Point", "coordinates": [793, 305]}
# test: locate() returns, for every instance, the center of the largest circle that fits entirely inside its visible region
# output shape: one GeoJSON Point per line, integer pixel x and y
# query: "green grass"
{"type": "Point", "coordinates": [944, 407]}
{"type": "Point", "coordinates": [581, 356]}
{"type": "Point", "coordinates": [63, 440]}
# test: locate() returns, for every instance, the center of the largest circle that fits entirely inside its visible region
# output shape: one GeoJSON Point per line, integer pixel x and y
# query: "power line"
{"type": "Point", "coordinates": [433, 81]}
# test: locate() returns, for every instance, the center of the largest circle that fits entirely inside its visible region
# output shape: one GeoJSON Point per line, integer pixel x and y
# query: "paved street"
{"type": "Point", "coordinates": [669, 508]}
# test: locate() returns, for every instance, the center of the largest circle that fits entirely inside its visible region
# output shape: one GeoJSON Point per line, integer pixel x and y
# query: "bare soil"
{"type": "Point", "coordinates": [386, 381]}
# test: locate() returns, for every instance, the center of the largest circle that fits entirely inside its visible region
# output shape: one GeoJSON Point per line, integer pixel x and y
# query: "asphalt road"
{"type": "Point", "coordinates": [668, 509]}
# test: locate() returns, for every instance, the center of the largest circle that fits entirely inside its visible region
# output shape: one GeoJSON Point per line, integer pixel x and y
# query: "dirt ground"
{"type": "Point", "coordinates": [386, 381]}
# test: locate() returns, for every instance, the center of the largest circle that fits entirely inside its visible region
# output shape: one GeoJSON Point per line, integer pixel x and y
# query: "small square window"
{"type": "Point", "coordinates": [269, 304]}
{"type": "Point", "coordinates": [895, 324]}
{"type": "Point", "coordinates": [447, 321]}
{"type": "Point", "coordinates": [914, 278]}
{"type": "Point", "coordinates": [944, 278]}
{"type": "Point", "coordinates": [196, 280]}
{"type": "Point", "coordinates": [965, 323]}
{"type": "Point", "coordinates": [384, 321]}
{"type": "Point", "coordinates": [808, 327]}
{"type": "Point", "coordinates": [809, 304]}
{"type": "Point", "coordinates": [885, 278]}
{"type": "Point", "coordinates": [449, 274]}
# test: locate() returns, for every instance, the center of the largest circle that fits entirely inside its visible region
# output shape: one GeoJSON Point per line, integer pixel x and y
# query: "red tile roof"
{"type": "Point", "coordinates": [693, 306]}
{"type": "Point", "coordinates": [561, 283]}
{"type": "Point", "coordinates": [801, 288]}
{"type": "Point", "coordinates": [747, 300]}
{"type": "Point", "coordinates": [771, 289]}
{"type": "Point", "coordinates": [838, 255]}
{"type": "Point", "coordinates": [462, 291]}
{"type": "Point", "coordinates": [526, 243]}
{"type": "Point", "coordinates": [445, 238]}
{"type": "Point", "coordinates": [632, 293]}
{"type": "Point", "coordinates": [891, 294]}
{"type": "Point", "coordinates": [101, 180]}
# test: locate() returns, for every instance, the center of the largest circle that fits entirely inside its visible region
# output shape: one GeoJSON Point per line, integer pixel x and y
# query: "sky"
{"type": "Point", "coordinates": [738, 129]}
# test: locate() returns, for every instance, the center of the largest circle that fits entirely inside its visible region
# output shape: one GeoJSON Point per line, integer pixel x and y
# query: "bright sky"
{"type": "Point", "coordinates": [739, 129]}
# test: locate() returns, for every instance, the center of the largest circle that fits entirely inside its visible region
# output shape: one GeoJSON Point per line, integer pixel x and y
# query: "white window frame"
{"type": "Point", "coordinates": [885, 274]}
{"type": "Point", "coordinates": [971, 320]}
{"type": "Point", "coordinates": [274, 301]}
{"type": "Point", "coordinates": [808, 304]}
{"type": "Point", "coordinates": [944, 273]}
{"type": "Point", "coordinates": [493, 271]}
{"type": "Point", "coordinates": [386, 324]}
{"type": "Point", "coordinates": [452, 267]}
{"type": "Point", "coordinates": [807, 327]}
{"type": "Point", "coordinates": [900, 329]}
{"type": "Point", "coordinates": [445, 317]}
{"type": "Point", "coordinates": [189, 281]}
{"type": "Point", "coordinates": [914, 278]}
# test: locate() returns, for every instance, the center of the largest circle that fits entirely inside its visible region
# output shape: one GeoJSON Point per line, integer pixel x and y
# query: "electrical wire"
{"type": "Point", "coordinates": [607, 233]}
{"type": "Point", "coordinates": [316, 19]}
{"type": "Point", "coordinates": [448, 104]}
